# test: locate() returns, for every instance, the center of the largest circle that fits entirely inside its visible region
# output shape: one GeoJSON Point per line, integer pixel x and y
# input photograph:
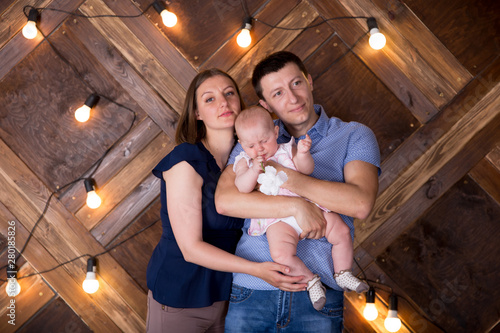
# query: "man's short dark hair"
{"type": "Point", "coordinates": [273, 63]}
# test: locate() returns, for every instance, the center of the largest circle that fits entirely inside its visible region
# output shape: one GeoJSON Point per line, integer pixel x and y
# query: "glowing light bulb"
{"type": "Point", "coordinates": [93, 200]}
{"type": "Point", "coordinates": [377, 39]}
{"type": "Point", "coordinates": [90, 285]}
{"type": "Point", "coordinates": [82, 114]}
{"type": "Point", "coordinates": [13, 288]}
{"type": "Point", "coordinates": [169, 19]}
{"type": "Point", "coordinates": [370, 312]}
{"type": "Point", "coordinates": [392, 323]}
{"type": "Point", "coordinates": [30, 30]}
{"type": "Point", "coordinates": [244, 39]}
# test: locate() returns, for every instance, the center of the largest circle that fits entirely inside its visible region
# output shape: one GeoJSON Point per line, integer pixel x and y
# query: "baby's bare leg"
{"type": "Point", "coordinates": [283, 241]}
{"type": "Point", "coordinates": [339, 235]}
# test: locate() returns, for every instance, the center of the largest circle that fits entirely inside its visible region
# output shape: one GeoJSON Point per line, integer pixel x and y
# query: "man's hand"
{"type": "Point", "coordinates": [311, 220]}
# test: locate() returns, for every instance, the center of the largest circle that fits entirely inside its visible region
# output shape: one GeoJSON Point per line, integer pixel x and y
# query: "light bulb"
{"type": "Point", "coordinates": [13, 288]}
{"type": "Point", "coordinates": [82, 114]}
{"type": "Point", "coordinates": [244, 39]}
{"type": "Point", "coordinates": [30, 31]}
{"type": "Point", "coordinates": [93, 200]}
{"type": "Point", "coordinates": [392, 323]}
{"type": "Point", "coordinates": [90, 284]}
{"type": "Point", "coordinates": [169, 19]}
{"type": "Point", "coordinates": [370, 312]}
{"type": "Point", "coordinates": [377, 39]}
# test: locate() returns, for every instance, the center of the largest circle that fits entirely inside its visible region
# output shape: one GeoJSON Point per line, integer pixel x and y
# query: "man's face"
{"type": "Point", "coordinates": [288, 93]}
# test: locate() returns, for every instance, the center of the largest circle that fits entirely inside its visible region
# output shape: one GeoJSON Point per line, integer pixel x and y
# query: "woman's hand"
{"type": "Point", "coordinates": [274, 274]}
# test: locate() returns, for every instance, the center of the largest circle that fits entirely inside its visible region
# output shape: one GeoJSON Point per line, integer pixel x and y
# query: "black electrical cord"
{"type": "Point", "coordinates": [389, 290]}
{"type": "Point", "coordinates": [313, 25]}
{"type": "Point", "coordinates": [94, 166]}
{"type": "Point", "coordinates": [342, 55]}
{"type": "Point", "coordinates": [90, 255]}
{"type": "Point", "coordinates": [82, 15]}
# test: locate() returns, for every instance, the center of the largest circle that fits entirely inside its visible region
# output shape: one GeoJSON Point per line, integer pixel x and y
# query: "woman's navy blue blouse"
{"type": "Point", "coordinates": [172, 280]}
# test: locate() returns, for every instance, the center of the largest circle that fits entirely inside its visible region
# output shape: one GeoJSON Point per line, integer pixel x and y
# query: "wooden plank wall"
{"type": "Point", "coordinates": [431, 96]}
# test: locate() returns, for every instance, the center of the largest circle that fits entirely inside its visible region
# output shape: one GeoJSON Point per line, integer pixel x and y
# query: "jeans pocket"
{"type": "Point", "coordinates": [239, 294]}
{"type": "Point", "coordinates": [332, 311]}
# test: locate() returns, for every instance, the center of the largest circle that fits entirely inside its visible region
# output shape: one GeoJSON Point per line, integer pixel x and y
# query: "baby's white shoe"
{"type": "Point", "coordinates": [316, 292]}
{"type": "Point", "coordinates": [347, 281]}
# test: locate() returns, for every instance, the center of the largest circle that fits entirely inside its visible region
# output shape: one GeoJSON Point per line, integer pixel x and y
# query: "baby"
{"type": "Point", "coordinates": [257, 135]}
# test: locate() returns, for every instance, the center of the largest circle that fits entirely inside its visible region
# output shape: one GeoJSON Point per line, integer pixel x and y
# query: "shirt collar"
{"type": "Point", "coordinates": [320, 127]}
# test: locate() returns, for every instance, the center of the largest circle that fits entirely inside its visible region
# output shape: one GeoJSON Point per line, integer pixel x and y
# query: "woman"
{"type": "Point", "coordinates": [188, 275]}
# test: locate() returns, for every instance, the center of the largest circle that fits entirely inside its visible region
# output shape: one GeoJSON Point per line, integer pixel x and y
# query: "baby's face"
{"type": "Point", "coordinates": [259, 141]}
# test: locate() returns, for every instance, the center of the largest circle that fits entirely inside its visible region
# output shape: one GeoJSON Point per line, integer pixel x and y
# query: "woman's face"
{"type": "Point", "coordinates": [218, 103]}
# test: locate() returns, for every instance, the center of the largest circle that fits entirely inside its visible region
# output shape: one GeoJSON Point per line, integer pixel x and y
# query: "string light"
{"type": "Point", "coordinates": [244, 39]}
{"type": "Point", "coordinates": [30, 30]}
{"type": "Point", "coordinates": [82, 114]}
{"type": "Point", "coordinates": [93, 200]}
{"type": "Point", "coordinates": [90, 285]}
{"type": "Point", "coordinates": [169, 19]}
{"type": "Point", "coordinates": [377, 39]}
{"type": "Point", "coordinates": [370, 312]}
{"type": "Point", "coordinates": [392, 323]}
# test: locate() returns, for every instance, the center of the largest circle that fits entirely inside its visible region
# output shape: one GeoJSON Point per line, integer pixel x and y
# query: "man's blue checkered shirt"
{"type": "Point", "coordinates": [334, 144]}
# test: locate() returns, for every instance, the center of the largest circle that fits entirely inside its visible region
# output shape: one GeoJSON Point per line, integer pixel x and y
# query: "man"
{"type": "Point", "coordinates": [345, 180]}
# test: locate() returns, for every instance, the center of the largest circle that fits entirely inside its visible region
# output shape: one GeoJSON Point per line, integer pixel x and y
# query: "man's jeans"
{"type": "Point", "coordinates": [284, 312]}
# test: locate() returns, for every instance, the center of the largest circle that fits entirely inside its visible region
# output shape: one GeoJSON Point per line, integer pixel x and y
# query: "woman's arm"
{"type": "Point", "coordinates": [183, 186]}
{"type": "Point", "coordinates": [229, 201]}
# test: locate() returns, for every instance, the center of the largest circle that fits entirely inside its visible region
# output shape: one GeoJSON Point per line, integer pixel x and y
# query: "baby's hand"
{"type": "Point", "coordinates": [304, 145]}
{"type": "Point", "coordinates": [257, 164]}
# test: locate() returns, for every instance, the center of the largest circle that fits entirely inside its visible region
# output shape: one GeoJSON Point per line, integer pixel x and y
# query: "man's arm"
{"type": "Point", "coordinates": [355, 197]}
{"type": "Point", "coordinates": [229, 201]}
